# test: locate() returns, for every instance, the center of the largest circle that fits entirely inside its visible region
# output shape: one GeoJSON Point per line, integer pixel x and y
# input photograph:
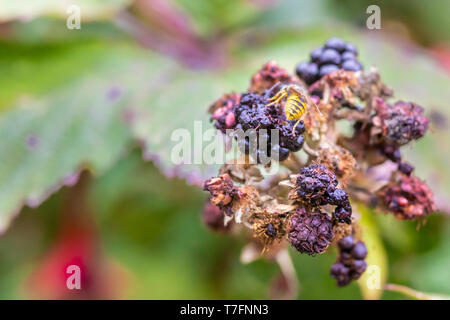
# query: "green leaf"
{"type": "Point", "coordinates": [372, 281]}
{"type": "Point", "coordinates": [128, 95]}
{"type": "Point", "coordinates": [31, 9]}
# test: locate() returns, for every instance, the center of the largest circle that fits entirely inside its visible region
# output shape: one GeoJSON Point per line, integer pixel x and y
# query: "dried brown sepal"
{"type": "Point", "coordinates": [341, 230]}
{"type": "Point", "coordinates": [269, 228]}
{"type": "Point", "coordinates": [222, 191]}
{"type": "Point", "coordinates": [338, 87]}
{"type": "Point", "coordinates": [370, 86]}
{"type": "Point", "coordinates": [338, 160]}
{"type": "Point", "coordinates": [248, 202]}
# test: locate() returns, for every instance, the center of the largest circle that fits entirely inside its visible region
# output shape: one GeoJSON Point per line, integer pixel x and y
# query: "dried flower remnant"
{"type": "Point", "coordinates": [269, 227]}
{"type": "Point", "coordinates": [269, 75]}
{"type": "Point", "coordinates": [307, 203]}
{"type": "Point", "coordinates": [222, 191]}
{"type": "Point", "coordinates": [338, 160]}
{"type": "Point", "coordinates": [400, 123]}
{"type": "Point", "coordinates": [310, 233]}
{"type": "Point", "coordinates": [408, 198]}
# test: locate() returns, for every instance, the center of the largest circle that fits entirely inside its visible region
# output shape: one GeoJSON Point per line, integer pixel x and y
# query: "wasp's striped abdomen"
{"type": "Point", "coordinates": [294, 107]}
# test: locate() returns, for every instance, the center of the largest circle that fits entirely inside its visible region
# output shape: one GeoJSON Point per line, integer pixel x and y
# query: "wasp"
{"type": "Point", "coordinates": [297, 102]}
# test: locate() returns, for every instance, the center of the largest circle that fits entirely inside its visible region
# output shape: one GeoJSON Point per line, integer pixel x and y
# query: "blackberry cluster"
{"type": "Point", "coordinates": [252, 113]}
{"type": "Point", "coordinates": [335, 54]}
{"type": "Point", "coordinates": [351, 263]}
{"type": "Point", "coordinates": [408, 198]}
{"type": "Point", "coordinates": [317, 186]}
{"type": "Point", "coordinates": [213, 218]}
{"type": "Point", "coordinates": [310, 233]}
{"type": "Point", "coordinates": [222, 111]}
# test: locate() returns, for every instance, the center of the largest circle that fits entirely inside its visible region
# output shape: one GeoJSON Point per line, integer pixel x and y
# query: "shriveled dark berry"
{"type": "Point", "coordinates": [310, 233]}
{"type": "Point", "coordinates": [343, 214]}
{"type": "Point", "coordinates": [335, 43]}
{"type": "Point", "coordinates": [337, 197]}
{"type": "Point", "coordinates": [327, 68]}
{"type": "Point", "coordinates": [317, 186]}
{"type": "Point", "coordinates": [405, 168]}
{"type": "Point", "coordinates": [313, 184]}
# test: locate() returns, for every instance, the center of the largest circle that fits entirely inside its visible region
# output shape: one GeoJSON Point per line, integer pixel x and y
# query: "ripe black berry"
{"type": "Point", "coordinates": [317, 186]}
{"type": "Point", "coordinates": [335, 54]}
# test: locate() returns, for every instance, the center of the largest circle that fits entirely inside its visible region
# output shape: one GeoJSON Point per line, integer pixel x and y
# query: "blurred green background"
{"type": "Point", "coordinates": [86, 118]}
